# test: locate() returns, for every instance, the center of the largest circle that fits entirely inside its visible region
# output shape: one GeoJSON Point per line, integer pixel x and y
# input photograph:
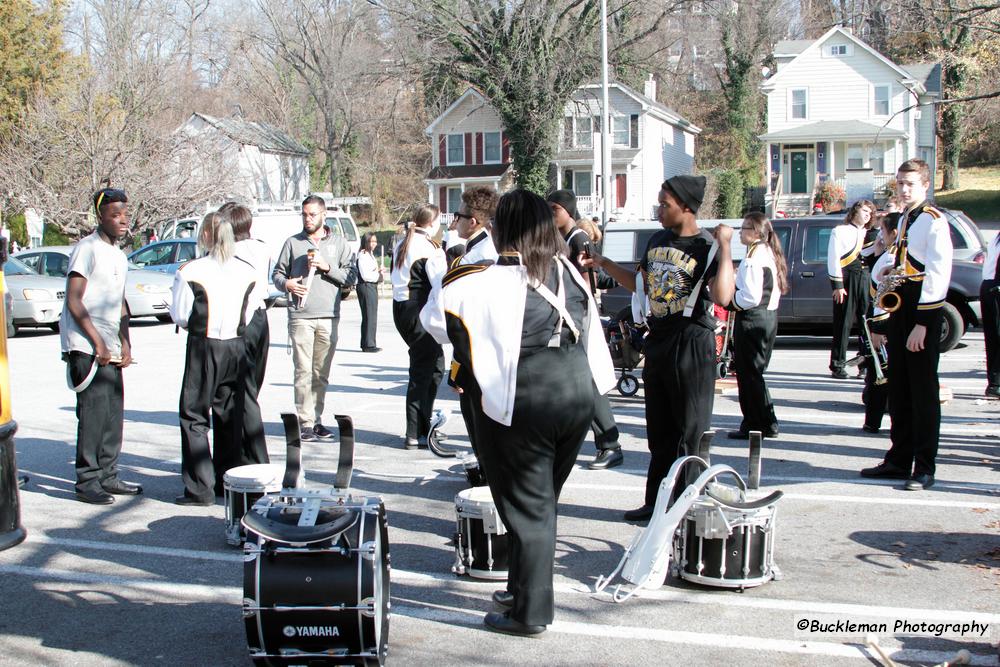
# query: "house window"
{"type": "Point", "coordinates": [456, 149]}
{"type": "Point", "coordinates": [492, 147]}
{"type": "Point", "coordinates": [882, 101]}
{"type": "Point", "coordinates": [855, 156]}
{"type": "Point", "coordinates": [876, 159]}
{"type": "Point", "coordinates": [454, 199]}
{"type": "Point", "coordinates": [800, 102]}
{"type": "Point", "coordinates": [582, 181]}
{"type": "Point", "coordinates": [619, 131]}
{"type": "Point", "coordinates": [583, 136]}
{"type": "Point", "coordinates": [838, 50]}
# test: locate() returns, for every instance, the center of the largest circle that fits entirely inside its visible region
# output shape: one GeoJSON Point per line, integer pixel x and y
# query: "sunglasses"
{"type": "Point", "coordinates": [459, 216]}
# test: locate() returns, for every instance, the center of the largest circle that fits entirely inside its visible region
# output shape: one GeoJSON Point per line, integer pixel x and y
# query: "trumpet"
{"type": "Point", "coordinates": [886, 296]}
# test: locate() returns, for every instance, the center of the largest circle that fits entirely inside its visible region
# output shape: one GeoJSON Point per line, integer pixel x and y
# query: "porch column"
{"type": "Point", "coordinates": [430, 194]}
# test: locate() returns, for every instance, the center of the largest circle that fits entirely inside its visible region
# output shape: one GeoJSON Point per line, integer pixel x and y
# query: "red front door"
{"type": "Point", "coordinates": [621, 190]}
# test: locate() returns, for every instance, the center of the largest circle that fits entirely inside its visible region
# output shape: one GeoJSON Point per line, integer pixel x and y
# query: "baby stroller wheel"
{"type": "Point", "coordinates": [628, 384]}
{"type": "Point", "coordinates": [722, 369]}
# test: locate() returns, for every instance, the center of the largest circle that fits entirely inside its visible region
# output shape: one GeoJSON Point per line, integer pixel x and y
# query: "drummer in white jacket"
{"type": "Point", "coordinates": [527, 346]}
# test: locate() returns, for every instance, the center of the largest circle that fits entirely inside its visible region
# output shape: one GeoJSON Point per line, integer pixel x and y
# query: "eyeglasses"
{"type": "Point", "coordinates": [459, 216]}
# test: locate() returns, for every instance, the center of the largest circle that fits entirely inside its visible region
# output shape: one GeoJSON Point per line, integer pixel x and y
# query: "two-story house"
{"type": "Point", "coordinates": [837, 109]}
{"type": "Point", "coordinates": [268, 164]}
{"type": "Point", "coordinates": [650, 143]}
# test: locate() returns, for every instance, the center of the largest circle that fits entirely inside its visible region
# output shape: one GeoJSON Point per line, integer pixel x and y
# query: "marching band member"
{"type": "Point", "coordinates": [680, 283]}
{"type": "Point", "coordinates": [760, 282]}
{"type": "Point", "coordinates": [210, 298]}
{"type": "Point", "coordinates": [257, 337]}
{"type": "Point", "coordinates": [526, 347]}
{"type": "Point", "coordinates": [370, 274]}
{"type": "Point", "coordinates": [848, 278]}
{"type": "Point", "coordinates": [989, 297]}
{"type": "Point", "coordinates": [418, 263]}
{"type": "Point", "coordinates": [605, 429]}
{"type": "Point", "coordinates": [875, 396]}
{"type": "Point", "coordinates": [915, 334]}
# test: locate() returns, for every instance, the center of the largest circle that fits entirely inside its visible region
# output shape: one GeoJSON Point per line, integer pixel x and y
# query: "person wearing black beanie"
{"type": "Point", "coordinates": [679, 285]}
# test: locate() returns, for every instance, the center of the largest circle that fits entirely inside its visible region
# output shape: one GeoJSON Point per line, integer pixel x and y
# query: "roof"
{"type": "Point", "coordinates": [262, 135]}
{"type": "Point", "coordinates": [661, 110]}
{"type": "Point", "coordinates": [469, 92]}
{"type": "Point", "coordinates": [792, 47]}
{"type": "Point", "coordinates": [468, 171]}
{"type": "Point", "coordinates": [834, 130]}
{"type": "Point", "coordinates": [927, 73]}
{"type": "Point", "coordinates": [810, 45]}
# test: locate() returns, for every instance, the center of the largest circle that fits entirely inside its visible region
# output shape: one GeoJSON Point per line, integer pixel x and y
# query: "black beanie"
{"type": "Point", "coordinates": [566, 199]}
{"type": "Point", "coordinates": [689, 189]}
{"type": "Point", "coordinates": [107, 196]}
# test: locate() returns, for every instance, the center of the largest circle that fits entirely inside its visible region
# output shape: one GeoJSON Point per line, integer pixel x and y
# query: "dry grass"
{"type": "Point", "coordinates": [979, 195]}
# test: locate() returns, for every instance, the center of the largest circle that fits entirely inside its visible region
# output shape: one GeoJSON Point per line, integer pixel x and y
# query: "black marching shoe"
{"type": "Point", "coordinates": [885, 471]}
{"type": "Point", "coordinates": [919, 482]}
{"type": "Point", "coordinates": [502, 622]}
{"type": "Point", "coordinates": [95, 497]}
{"type": "Point", "coordinates": [191, 501]}
{"type": "Point", "coordinates": [639, 514]}
{"type": "Point", "coordinates": [503, 598]}
{"type": "Point", "coordinates": [992, 391]}
{"type": "Point", "coordinates": [868, 428]}
{"type": "Point", "coordinates": [738, 435]}
{"type": "Point", "coordinates": [607, 458]}
{"type": "Point", "coordinates": [120, 488]}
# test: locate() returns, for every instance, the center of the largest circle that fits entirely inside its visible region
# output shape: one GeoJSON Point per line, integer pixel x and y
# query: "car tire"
{"type": "Point", "coordinates": [164, 318]}
{"type": "Point", "coordinates": [54, 326]}
{"type": "Point", "coordinates": [952, 327]}
{"type": "Point", "coordinates": [11, 330]}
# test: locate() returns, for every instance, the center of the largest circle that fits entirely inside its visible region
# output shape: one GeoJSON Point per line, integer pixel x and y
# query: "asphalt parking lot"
{"type": "Point", "coordinates": [145, 582]}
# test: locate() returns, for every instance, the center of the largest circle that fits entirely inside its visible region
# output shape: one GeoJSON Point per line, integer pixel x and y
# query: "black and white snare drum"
{"type": "Point", "coordinates": [473, 471]}
{"type": "Point", "coordinates": [243, 486]}
{"type": "Point", "coordinates": [725, 547]}
{"type": "Point", "coordinates": [481, 542]}
{"type": "Point", "coordinates": [316, 579]}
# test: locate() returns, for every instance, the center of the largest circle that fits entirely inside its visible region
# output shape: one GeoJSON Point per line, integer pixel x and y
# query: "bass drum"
{"type": "Point", "coordinates": [317, 602]}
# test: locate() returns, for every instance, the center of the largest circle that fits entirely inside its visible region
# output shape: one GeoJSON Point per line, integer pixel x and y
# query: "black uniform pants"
{"type": "Point", "coordinates": [426, 367]}
{"type": "Point", "coordinates": [853, 308]}
{"type": "Point", "coordinates": [753, 340]}
{"type": "Point", "coordinates": [989, 299]}
{"type": "Point", "coordinates": [914, 394]}
{"type": "Point", "coordinates": [874, 396]}
{"type": "Point", "coordinates": [604, 426]}
{"type": "Point", "coordinates": [257, 340]}
{"type": "Point", "coordinates": [100, 411]}
{"type": "Point", "coordinates": [527, 464]}
{"type": "Point", "coordinates": [212, 388]}
{"type": "Point", "coordinates": [368, 300]}
{"type": "Point", "coordinates": [679, 383]}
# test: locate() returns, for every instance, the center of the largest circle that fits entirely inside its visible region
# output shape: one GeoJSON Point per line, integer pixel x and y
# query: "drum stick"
{"type": "Point", "coordinates": [309, 277]}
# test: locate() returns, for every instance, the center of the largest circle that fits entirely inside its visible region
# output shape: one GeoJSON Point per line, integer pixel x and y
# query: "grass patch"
{"type": "Point", "coordinates": [979, 195]}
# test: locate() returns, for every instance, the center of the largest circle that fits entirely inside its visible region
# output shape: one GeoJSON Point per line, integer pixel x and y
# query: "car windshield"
{"type": "Point", "coordinates": [15, 267]}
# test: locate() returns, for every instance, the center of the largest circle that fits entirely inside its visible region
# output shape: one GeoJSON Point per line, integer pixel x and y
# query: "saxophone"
{"type": "Point", "coordinates": [886, 296]}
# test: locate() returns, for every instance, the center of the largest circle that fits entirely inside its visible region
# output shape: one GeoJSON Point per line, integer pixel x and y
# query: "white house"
{"type": "Point", "coordinates": [837, 109]}
{"type": "Point", "coordinates": [650, 143]}
{"type": "Point", "coordinates": [270, 166]}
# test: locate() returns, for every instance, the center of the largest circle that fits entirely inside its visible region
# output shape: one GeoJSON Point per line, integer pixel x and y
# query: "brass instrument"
{"type": "Point", "coordinates": [886, 296]}
{"type": "Point", "coordinates": [880, 357]}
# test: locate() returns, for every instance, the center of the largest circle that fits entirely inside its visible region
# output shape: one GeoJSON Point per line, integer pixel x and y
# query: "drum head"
{"type": "Point", "coordinates": [477, 495]}
{"type": "Point", "coordinates": [263, 476]}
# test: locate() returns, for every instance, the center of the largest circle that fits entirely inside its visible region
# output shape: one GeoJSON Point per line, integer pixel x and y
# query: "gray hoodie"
{"type": "Point", "coordinates": [324, 294]}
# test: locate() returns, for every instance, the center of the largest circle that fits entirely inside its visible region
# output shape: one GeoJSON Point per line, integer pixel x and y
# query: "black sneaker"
{"type": "Point", "coordinates": [322, 432]}
{"type": "Point", "coordinates": [307, 435]}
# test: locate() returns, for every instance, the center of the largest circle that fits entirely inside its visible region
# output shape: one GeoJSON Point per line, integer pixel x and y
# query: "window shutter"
{"type": "Point", "coordinates": [443, 199]}
{"type": "Point", "coordinates": [597, 124]}
{"type": "Point", "coordinates": [506, 146]}
{"type": "Point", "coordinates": [479, 147]}
{"type": "Point", "coordinates": [568, 180]}
{"type": "Point", "coordinates": [568, 132]}
{"type": "Point", "coordinates": [468, 148]}
{"type": "Point", "coordinates": [442, 150]}
{"type": "Point", "coordinates": [633, 130]}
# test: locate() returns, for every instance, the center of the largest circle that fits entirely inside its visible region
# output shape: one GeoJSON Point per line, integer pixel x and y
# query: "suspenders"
{"type": "Point", "coordinates": [557, 301]}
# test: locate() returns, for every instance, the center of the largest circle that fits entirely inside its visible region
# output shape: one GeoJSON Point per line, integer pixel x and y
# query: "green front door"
{"type": "Point", "coordinates": [800, 181]}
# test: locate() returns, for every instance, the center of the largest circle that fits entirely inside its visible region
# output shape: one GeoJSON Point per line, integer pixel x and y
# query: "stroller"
{"type": "Point", "coordinates": [723, 342]}
{"type": "Point", "coordinates": [625, 339]}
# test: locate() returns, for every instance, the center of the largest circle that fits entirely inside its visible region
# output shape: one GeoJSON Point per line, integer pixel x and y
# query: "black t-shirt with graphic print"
{"type": "Point", "coordinates": [673, 266]}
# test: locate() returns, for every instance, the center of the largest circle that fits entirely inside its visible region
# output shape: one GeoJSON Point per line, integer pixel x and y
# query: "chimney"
{"type": "Point", "coordinates": [649, 88]}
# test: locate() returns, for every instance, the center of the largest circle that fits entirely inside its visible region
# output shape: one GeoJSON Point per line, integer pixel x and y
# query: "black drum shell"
{"type": "Point", "coordinates": [475, 545]}
{"type": "Point", "coordinates": [712, 553]}
{"type": "Point", "coordinates": [314, 575]}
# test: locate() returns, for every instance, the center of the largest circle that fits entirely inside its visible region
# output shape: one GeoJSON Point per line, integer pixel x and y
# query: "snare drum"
{"type": "Point", "coordinates": [725, 547]}
{"type": "Point", "coordinates": [243, 486]}
{"type": "Point", "coordinates": [473, 471]}
{"type": "Point", "coordinates": [481, 542]}
{"type": "Point", "coordinates": [316, 579]}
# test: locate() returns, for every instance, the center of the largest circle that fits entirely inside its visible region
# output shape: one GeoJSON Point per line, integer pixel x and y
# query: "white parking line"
{"type": "Point", "coordinates": [232, 595]}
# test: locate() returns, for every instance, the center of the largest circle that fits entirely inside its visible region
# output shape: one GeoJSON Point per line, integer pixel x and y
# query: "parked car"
{"type": "Point", "coordinates": [147, 293]}
{"type": "Point", "coordinates": [37, 300]}
{"type": "Point", "coordinates": [8, 305]}
{"type": "Point", "coordinates": [165, 256]}
{"type": "Point", "coordinates": [807, 306]}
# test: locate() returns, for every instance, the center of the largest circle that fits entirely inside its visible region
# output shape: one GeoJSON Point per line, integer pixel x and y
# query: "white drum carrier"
{"type": "Point", "coordinates": [717, 537]}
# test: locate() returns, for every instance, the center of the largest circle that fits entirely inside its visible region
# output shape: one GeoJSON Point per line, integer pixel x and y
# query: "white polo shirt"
{"type": "Point", "coordinates": [105, 267]}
